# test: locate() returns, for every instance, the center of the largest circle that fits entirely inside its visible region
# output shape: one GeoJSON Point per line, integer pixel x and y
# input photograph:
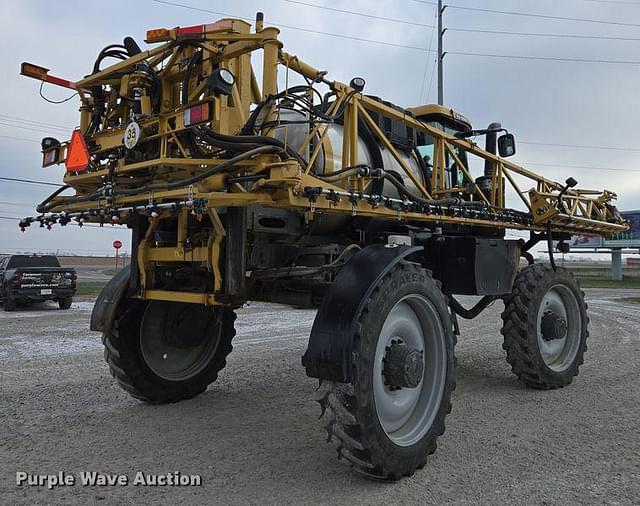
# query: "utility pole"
{"type": "Point", "coordinates": [440, 52]}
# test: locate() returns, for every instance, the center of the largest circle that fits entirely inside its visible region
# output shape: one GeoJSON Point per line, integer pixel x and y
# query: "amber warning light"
{"type": "Point", "coordinates": [158, 35]}
{"type": "Point", "coordinates": [42, 74]}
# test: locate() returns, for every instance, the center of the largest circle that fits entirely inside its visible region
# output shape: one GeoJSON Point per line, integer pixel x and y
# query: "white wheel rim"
{"type": "Point", "coordinates": [559, 354]}
{"type": "Point", "coordinates": [407, 414]}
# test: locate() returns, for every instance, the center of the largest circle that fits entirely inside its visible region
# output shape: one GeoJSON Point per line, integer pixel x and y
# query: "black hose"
{"type": "Point", "coordinates": [162, 186]}
{"type": "Point", "coordinates": [185, 83]}
{"type": "Point", "coordinates": [250, 125]}
{"type": "Point", "coordinates": [345, 169]}
{"type": "Point", "coordinates": [403, 190]}
{"type": "Point", "coordinates": [528, 256]}
{"type": "Point", "coordinates": [374, 152]}
{"type": "Point", "coordinates": [119, 51]}
{"type": "Point", "coordinates": [244, 179]}
{"type": "Point", "coordinates": [109, 51]}
{"type": "Point", "coordinates": [131, 46]}
{"type": "Point", "coordinates": [470, 314]}
{"type": "Point", "coordinates": [230, 146]}
{"type": "Point", "coordinates": [228, 164]}
{"type": "Point", "coordinates": [98, 194]}
{"type": "Point", "coordinates": [552, 260]}
{"type": "Point", "coordinates": [42, 206]}
{"type": "Point", "coordinates": [253, 140]}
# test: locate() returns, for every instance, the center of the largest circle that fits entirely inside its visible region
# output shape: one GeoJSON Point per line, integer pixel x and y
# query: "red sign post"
{"type": "Point", "coordinates": [117, 245]}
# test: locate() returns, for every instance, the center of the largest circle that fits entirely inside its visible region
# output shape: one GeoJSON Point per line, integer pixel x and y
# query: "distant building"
{"type": "Point", "coordinates": [627, 240]}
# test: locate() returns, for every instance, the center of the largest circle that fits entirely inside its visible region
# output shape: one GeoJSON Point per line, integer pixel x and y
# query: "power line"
{"type": "Point", "coordinates": [394, 20]}
{"type": "Point", "coordinates": [543, 16]}
{"type": "Point", "coordinates": [580, 146]}
{"type": "Point", "coordinates": [28, 181]}
{"type": "Point", "coordinates": [433, 73]}
{"type": "Point", "coordinates": [536, 34]}
{"type": "Point", "coordinates": [427, 62]}
{"type": "Point", "coordinates": [586, 167]}
{"type": "Point", "coordinates": [544, 58]}
{"type": "Point", "coordinates": [18, 138]}
{"type": "Point", "coordinates": [417, 48]}
{"type": "Point", "coordinates": [372, 41]}
{"type": "Point", "coordinates": [598, 1]}
{"type": "Point", "coordinates": [33, 128]}
{"type": "Point", "coordinates": [6, 117]}
{"type": "Point", "coordinates": [16, 204]}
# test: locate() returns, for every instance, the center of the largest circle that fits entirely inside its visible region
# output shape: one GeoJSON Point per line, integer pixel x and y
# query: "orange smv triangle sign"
{"type": "Point", "coordinates": [77, 153]}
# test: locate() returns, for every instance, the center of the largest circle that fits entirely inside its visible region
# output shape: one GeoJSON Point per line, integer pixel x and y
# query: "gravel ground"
{"type": "Point", "coordinates": [254, 436]}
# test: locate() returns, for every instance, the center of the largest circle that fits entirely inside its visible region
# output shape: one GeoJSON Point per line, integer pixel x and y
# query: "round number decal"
{"type": "Point", "coordinates": [131, 135]}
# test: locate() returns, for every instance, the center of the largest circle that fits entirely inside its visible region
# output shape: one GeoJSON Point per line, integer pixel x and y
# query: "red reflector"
{"type": "Point", "coordinates": [190, 30]}
{"type": "Point", "coordinates": [196, 114]}
{"type": "Point", "coordinates": [77, 153]}
{"type": "Point", "coordinates": [200, 30]}
{"type": "Point", "coordinates": [221, 24]}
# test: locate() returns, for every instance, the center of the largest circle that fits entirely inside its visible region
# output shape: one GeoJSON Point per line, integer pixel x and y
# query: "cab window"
{"type": "Point", "coordinates": [454, 176]}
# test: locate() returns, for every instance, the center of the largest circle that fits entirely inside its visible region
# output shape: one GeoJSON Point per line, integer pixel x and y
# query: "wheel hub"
{"type": "Point", "coordinates": [403, 366]}
{"type": "Point", "coordinates": [186, 327]}
{"type": "Point", "coordinates": [178, 341]}
{"type": "Point", "coordinates": [553, 326]}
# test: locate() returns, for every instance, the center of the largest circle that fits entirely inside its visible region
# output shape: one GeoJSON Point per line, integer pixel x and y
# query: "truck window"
{"type": "Point", "coordinates": [18, 261]}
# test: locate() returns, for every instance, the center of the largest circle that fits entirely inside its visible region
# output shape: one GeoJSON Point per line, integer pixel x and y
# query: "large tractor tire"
{"type": "Point", "coordinates": [545, 327]}
{"type": "Point", "coordinates": [162, 352]}
{"type": "Point", "coordinates": [387, 420]}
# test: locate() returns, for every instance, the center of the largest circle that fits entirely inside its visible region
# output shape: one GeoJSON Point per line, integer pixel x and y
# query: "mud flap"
{"type": "Point", "coordinates": [104, 310]}
{"type": "Point", "coordinates": [328, 354]}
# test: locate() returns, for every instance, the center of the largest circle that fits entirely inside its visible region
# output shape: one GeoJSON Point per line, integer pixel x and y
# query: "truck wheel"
{"type": "Point", "coordinates": [9, 304]}
{"type": "Point", "coordinates": [164, 352]}
{"type": "Point", "coordinates": [386, 421]}
{"type": "Point", "coordinates": [65, 303]}
{"type": "Point", "coordinates": [545, 327]}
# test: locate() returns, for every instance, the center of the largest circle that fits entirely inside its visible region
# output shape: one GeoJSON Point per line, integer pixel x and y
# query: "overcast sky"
{"type": "Point", "coordinates": [548, 102]}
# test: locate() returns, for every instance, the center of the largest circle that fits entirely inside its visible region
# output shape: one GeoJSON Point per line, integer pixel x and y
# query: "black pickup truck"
{"type": "Point", "coordinates": [34, 278]}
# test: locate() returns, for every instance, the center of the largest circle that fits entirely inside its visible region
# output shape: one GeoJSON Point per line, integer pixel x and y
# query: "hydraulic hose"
{"type": "Point", "coordinates": [252, 141]}
{"type": "Point", "coordinates": [343, 174]}
{"type": "Point", "coordinates": [231, 146]}
{"type": "Point", "coordinates": [228, 164]}
{"type": "Point", "coordinates": [98, 194]}
{"type": "Point", "coordinates": [470, 314]}
{"type": "Point", "coordinates": [407, 192]}
{"type": "Point", "coordinates": [42, 206]}
{"type": "Point", "coordinates": [360, 169]}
